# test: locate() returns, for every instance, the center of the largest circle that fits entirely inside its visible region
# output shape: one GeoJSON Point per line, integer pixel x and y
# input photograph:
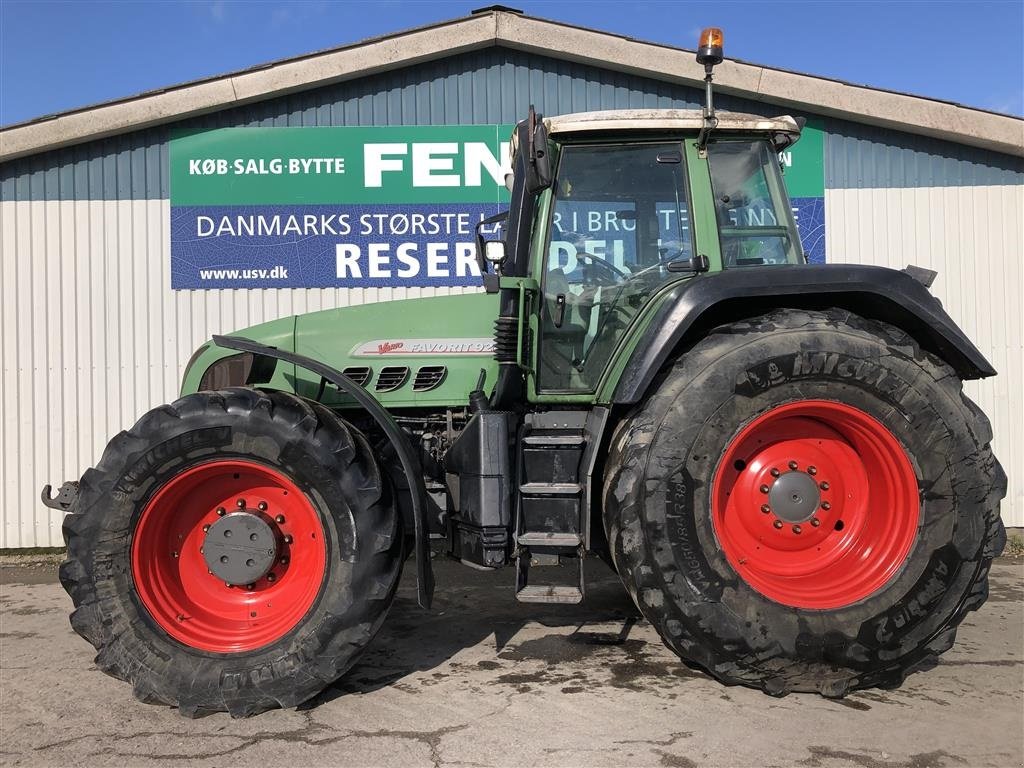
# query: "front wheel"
{"type": "Point", "coordinates": [234, 551]}
{"type": "Point", "coordinates": [806, 502]}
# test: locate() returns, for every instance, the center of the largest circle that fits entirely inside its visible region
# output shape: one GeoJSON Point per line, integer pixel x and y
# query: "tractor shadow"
{"type": "Point", "coordinates": [470, 607]}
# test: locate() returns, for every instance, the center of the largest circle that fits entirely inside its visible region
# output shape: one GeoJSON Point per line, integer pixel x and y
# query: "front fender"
{"type": "Point", "coordinates": [403, 449]}
{"type": "Point", "coordinates": [692, 308]}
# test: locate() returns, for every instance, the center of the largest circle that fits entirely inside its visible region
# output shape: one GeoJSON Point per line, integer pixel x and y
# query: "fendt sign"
{"type": "Point", "coordinates": [333, 207]}
{"type": "Point", "coordinates": [366, 207]}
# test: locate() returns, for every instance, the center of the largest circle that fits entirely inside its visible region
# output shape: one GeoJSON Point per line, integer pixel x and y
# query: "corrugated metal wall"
{"type": "Point", "coordinates": [92, 335]}
{"type": "Point", "coordinates": [972, 236]}
{"type": "Point", "coordinates": [894, 199]}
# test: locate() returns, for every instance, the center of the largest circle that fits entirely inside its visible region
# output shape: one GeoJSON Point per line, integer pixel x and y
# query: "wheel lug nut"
{"type": "Point", "coordinates": [792, 465]}
{"type": "Point", "coordinates": [250, 587]}
{"type": "Point", "coordinates": [824, 486]}
{"type": "Point", "coordinates": [284, 561]}
{"type": "Point", "coordinates": [812, 470]}
{"type": "Point", "coordinates": [228, 584]}
{"type": "Point", "coordinates": [765, 508]}
{"type": "Point", "coordinates": [797, 529]}
{"type": "Point", "coordinates": [826, 506]}
{"type": "Point", "coordinates": [764, 489]}
{"type": "Point", "coordinates": [206, 528]}
{"type": "Point", "coordinates": [775, 472]}
{"type": "Point", "coordinates": [221, 512]}
{"type": "Point", "coordinates": [240, 503]}
{"type": "Point", "coordinates": [288, 539]}
{"type": "Point", "coordinates": [262, 506]}
{"type": "Point", "coordinates": [815, 522]}
{"type": "Point", "coordinates": [777, 523]}
{"type": "Point", "coordinates": [271, 577]}
{"type": "Point", "coordinates": [279, 519]}
{"type": "Point", "coordinates": [174, 555]}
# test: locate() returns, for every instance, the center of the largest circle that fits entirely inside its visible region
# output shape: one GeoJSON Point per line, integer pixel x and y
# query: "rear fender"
{"type": "Point", "coordinates": [692, 308]}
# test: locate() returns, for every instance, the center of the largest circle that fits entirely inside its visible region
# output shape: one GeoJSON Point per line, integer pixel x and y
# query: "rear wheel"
{"type": "Point", "coordinates": [235, 551]}
{"type": "Point", "coordinates": [806, 502]}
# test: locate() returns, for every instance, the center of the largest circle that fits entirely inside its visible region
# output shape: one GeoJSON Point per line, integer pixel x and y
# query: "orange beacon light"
{"type": "Point", "coordinates": [710, 49]}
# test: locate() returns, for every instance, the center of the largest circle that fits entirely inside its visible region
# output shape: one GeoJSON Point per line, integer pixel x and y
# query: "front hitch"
{"type": "Point", "coordinates": [65, 497]}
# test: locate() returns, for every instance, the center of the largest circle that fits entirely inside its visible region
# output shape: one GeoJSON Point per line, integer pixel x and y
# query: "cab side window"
{"type": "Point", "coordinates": [755, 222]}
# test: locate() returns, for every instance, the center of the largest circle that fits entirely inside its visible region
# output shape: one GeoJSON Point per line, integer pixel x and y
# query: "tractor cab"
{"type": "Point", "coordinates": [633, 205]}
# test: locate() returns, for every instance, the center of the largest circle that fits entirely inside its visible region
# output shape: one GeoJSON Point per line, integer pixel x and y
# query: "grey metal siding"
{"type": "Point", "coordinates": [866, 157]}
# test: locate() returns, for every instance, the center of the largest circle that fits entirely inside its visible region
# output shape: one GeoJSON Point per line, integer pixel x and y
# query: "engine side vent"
{"type": "Point", "coordinates": [429, 377]}
{"type": "Point", "coordinates": [391, 377]}
{"type": "Point", "coordinates": [360, 374]}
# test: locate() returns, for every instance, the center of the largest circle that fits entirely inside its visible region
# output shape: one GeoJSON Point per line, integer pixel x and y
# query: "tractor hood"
{"type": "Point", "coordinates": [408, 354]}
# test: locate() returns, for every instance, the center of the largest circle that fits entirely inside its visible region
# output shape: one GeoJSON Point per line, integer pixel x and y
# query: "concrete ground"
{"type": "Point", "coordinates": [481, 680]}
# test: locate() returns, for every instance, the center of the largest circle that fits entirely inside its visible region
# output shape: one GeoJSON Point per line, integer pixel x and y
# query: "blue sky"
{"type": "Point", "coordinates": [58, 55]}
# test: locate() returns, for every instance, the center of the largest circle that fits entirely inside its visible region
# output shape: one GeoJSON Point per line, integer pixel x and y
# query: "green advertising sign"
{"type": "Point", "coordinates": [415, 164]}
{"type": "Point", "coordinates": [804, 163]}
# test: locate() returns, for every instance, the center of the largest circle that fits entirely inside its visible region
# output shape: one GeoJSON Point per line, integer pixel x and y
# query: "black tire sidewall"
{"type": "Point", "coordinates": [272, 433]}
{"type": "Point", "coordinates": [696, 413]}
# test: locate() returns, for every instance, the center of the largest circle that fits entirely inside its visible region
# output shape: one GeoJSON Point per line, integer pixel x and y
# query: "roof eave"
{"type": "Point", "coordinates": [293, 75]}
{"type": "Point", "coordinates": [789, 90]}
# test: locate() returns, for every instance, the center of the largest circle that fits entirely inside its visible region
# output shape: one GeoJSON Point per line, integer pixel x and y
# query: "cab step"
{"type": "Point", "coordinates": [550, 489]}
{"type": "Point", "coordinates": [551, 539]}
{"type": "Point", "coordinates": [550, 593]}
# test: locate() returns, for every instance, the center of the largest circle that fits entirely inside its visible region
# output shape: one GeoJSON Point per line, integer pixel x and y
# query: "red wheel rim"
{"type": "Point", "coordinates": [172, 576]}
{"type": "Point", "coordinates": [815, 504]}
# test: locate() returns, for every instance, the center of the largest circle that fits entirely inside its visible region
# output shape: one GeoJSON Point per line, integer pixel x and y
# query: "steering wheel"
{"type": "Point", "coordinates": [577, 240]}
{"type": "Point", "coordinates": [600, 261]}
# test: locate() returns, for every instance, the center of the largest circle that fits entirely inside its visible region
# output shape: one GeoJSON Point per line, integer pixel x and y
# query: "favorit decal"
{"type": "Point", "coordinates": [410, 347]}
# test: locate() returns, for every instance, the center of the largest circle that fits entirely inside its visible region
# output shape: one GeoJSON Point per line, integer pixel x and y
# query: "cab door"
{"type": "Point", "coordinates": [618, 219]}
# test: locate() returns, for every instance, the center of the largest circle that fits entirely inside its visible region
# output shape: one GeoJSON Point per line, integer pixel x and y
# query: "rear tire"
{"type": "Point", "coordinates": [144, 595]}
{"type": "Point", "coordinates": [714, 570]}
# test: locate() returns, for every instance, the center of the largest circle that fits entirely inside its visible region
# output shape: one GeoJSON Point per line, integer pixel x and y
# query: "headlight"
{"type": "Point", "coordinates": [230, 371]}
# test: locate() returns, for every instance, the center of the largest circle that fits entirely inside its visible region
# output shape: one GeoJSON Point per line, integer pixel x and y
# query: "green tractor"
{"type": "Point", "coordinates": [776, 457]}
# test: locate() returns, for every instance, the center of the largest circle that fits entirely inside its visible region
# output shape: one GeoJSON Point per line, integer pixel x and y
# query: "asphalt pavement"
{"type": "Point", "coordinates": [483, 681]}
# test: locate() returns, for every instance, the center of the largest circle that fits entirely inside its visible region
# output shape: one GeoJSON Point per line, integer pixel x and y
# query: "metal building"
{"type": "Point", "coordinates": [92, 334]}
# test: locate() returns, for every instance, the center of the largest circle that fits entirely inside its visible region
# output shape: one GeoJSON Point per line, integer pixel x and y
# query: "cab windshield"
{"type": "Point", "coordinates": [620, 226]}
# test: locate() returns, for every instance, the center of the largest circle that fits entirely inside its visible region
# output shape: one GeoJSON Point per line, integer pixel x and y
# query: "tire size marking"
{"type": "Point", "coordinates": [679, 511]}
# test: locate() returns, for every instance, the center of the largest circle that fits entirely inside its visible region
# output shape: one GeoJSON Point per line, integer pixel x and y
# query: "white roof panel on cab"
{"type": "Point", "coordinates": [669, 120]}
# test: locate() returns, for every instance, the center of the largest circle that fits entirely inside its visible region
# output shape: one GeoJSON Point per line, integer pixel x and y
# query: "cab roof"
{"type": "Point", "coordinates": [783, 130]}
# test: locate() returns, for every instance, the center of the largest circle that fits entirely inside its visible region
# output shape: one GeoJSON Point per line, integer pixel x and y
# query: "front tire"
{"type": "Point", "coordinates": [148, 581]}
{"type": "Point", "coordinates": [806, 502]}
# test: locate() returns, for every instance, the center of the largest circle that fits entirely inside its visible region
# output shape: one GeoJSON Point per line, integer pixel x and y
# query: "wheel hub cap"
{"type": "Point", "coordinates": [228, 555]}
{"type": "Point", "coordinates": [794, 497]}
{"type": "Point", "coordinates": [240, 548]}
{"type": "Point", "coordinates": [815, 504]}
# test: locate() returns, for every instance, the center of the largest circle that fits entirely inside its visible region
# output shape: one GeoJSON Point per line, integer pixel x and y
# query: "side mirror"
{"type": "Point", "coordinates": [494, 251]}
